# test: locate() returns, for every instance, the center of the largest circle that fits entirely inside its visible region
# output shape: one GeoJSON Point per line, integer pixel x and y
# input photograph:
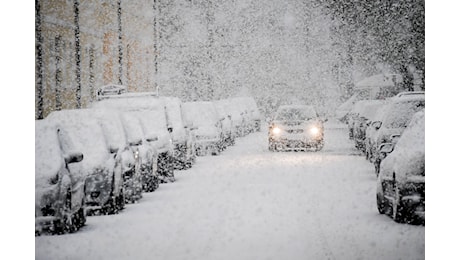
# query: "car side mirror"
{"type": "Point", "coordinates": [152, 139]}
{"type": "Point", "coordinates": [377, 125]}
{"type": "Point", "coordinates": [394, 138]}
{"type": "Point", "coordinates": [135, 142]}
{"type": "Point", "coordinates": [73, 157]}
{"type": "Point", "coordinates": [386, 147]}
{"type": "Point", "coordinates": [113, 149]}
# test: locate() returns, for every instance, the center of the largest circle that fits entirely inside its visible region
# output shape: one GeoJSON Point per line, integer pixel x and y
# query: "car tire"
{"type": "Point", "coordinates": [381, 204]}
{"type": "Point", "coordinates": [271, 146]}
{"type": "Point", "coordinates": [398, 212]}
{"type": "Point", "coordinates": [80, 217]}
{"type": "Point", "coordinates": [120, 200]}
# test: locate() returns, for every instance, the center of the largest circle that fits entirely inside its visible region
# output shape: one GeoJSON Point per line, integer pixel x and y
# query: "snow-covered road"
{"type": "Point", "coordinates": [249, 203]}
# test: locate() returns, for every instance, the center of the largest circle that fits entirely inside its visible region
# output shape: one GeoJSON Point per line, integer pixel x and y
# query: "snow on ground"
{"type": "Point", "coordinates": [249, 203]}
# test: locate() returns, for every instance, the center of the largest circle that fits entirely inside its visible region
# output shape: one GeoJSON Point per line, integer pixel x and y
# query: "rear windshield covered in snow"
{"type": "Point", "coordinates": [300, 113]}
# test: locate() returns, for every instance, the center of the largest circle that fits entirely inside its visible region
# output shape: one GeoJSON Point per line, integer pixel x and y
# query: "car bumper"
{"type": "Point", "coordinates": [204, 147]}
{"type": "Point", "coordinates": [132, 186]}
{"type": "Point", "coordinates": [295, 142]}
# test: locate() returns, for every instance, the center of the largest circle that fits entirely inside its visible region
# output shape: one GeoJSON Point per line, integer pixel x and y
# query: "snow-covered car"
{"type": "Point", "coordinates": [295, 127]}
{"type": "Point", "coordinates": [111, 89]}
{"type": "Point", "coordinates": [394, 118]}
{"type": "Point", "coordinates": [203, 115]}
{"type": "Point", "coordinates": [227, 123]}
{"type": "Point", "coordinates": [360, 117]}
{"type": "Point", "coordinates": [59, 192]}
{"type": "Point", "coordinates": [182, 134]}
{"type": "Point", "coordinates": [154, 122]}
{"type": "Point", "coordinates": [101, 166]}
{"type": "Point", "coordinates": [148, 178]}
{"type": "Point", "coordinates": [133, 165]}
{"type": "Point", "coordinates": [236, 112]}
{"type": "Point", "coordinates": [252, 114]}
{"type": "Point", "coordinates": [401, 182]}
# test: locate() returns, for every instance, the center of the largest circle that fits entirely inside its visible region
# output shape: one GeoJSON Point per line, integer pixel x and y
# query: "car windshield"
{"type": "Point", "coordinates": [399, 114]}
{"type": "Point", "coordinates": [306, 113]}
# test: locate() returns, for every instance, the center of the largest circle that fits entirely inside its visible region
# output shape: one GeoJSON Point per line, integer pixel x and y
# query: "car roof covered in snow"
{"type": "Point", "coordinates": [87, 134]}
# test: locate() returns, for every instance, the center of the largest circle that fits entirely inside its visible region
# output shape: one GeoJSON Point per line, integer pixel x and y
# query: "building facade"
{"type": "Point", "coordinates": [82, 45]}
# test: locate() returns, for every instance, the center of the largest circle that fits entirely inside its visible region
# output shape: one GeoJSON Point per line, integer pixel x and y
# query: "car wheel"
{"type": "Point", "coordinates": [398, 213]}
{"type": "Point", "coordinates": [121, 200]}
{"type": "Point", "coordinates": [381, 205]}
{"type": "Point", "coordinates": [319, 146]}
{"type": "Point", "coordinates": [67, 224]}
{"type": "Point", "coordinates": [80, 217]}
{"type": "Point", "coordinates": [377, 167]}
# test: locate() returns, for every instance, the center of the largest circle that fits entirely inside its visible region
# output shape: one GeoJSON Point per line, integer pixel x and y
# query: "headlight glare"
{"type": "Point", "coordinates": [314, 130]}
{"type": "Point", "coordinates": [276, 130]}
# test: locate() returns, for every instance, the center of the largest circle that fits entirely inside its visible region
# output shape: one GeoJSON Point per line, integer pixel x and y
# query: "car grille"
{"type": "Point", "coordinates": [294, 131]}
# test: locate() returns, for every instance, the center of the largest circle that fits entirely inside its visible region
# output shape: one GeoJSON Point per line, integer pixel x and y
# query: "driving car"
{"type": "Point", "coordinates": [401, 182]}
{"type": "Point", "coordinates": [203, 115]}
{"type": "Point", "coordinates": [393, 120]}
{"type": "Point", "coordinates": [59, 192]}
{"type": "Point", "coordinates": [102, 166]}
{"type": "Point", "coordinates": [295, 127]}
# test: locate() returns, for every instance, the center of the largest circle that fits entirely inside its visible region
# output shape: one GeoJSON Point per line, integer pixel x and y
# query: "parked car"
{"type": "Point", "coordinates": [182, 134]}
{"type": "Point", "coordinates": [203, 115]}
{"type": "Point", "coordinates": [223, 111]}
{"type": "Point", "coordinates": [394, 119]}
{"type": "Point", "coordinates": [401, 182]}
{"type": "Point", "coordinates": [102, 167]}
{"type": "Point", "coordinates": [59, 192]}
{"type": "Point", "coordinates": [236, 112]}
{"type": "Point", "coordinates": [111, 89]}
{"type": "Point", "coordinates": [295, 127]}
{"type": "Point", "coordinates": [371, 132]}
{"type": "Point", "coordinates": [252, 113]}
{"type": "Point", "coordinates": [148, 179]}
{"type": "Point", "coordinates": [365, 111]}
{"type": "Point", "coordinates": [134, 165]}
{"type": "Point", "coordinates": [154, 118]}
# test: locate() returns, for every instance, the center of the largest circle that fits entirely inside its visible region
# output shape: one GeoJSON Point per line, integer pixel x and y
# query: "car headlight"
{"type": "Point", "coordinates": [314, 130]}
{"type": "Point", "coordinates": [276, 130]}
